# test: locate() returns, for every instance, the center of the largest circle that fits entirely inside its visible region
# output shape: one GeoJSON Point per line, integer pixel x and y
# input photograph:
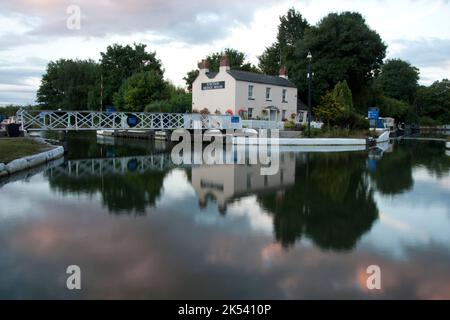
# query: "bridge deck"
{"type": "Point", "coordinates": [95, 120]}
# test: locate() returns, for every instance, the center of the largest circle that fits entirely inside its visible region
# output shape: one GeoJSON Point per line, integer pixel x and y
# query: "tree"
{"type": "Point", "coordinates": [398, 79]}
{"type": "Point", "coordinates": [329, 110]}
{"type": "Point", "coordinates": [433, 102]}
{"type": "Point", "coordinates": [177, 101]}
{"type": "Point", "coordinates": [343, 95]}
{"type": "Point", "coordinates": [66, 84]}
{"type": "Point", "coordinates": [190, 78]}
{"type": "Point", "coordinates": [343, 48]}
{"type": "Point", "coordinates": [119, 63]}
{"type": "Point", "coordinates": [291, 29]}
{"type": "Point", "coordinates": [141, 89]}
{"type": "Point", "coordinates": [237, 62]}
{"type": "Point", "coordinates": [269, 60]}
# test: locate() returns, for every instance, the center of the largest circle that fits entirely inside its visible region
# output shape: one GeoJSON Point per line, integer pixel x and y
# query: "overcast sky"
{"type": "Point", "coordinates": [33, 32]}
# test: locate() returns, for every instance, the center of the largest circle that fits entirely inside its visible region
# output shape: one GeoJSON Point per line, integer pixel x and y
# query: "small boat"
{"type": "Point", "coordinates": [108, 133]}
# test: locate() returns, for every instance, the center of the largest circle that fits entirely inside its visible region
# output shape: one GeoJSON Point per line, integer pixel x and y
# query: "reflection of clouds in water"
{"type": "Point", "coordinates": [258, 218]}
{"type": "Point", "coordinates": [410, 219]}
{"type": "Point", "coordinates": [38, 191]}
{"type": "Point", "coordinates": [245, 213]}
{"type": "Point", "coordinates": [176, 186]}
{"type": "Point", "coordinates": [423, 175]}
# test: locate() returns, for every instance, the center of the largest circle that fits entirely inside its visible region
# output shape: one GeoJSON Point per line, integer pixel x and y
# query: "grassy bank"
{"type": "Point", "coordinates": [14, 148]}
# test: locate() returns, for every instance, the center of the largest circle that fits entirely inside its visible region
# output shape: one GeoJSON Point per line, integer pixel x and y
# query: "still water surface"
{"type": "Point", "coordinates": [139, 228]}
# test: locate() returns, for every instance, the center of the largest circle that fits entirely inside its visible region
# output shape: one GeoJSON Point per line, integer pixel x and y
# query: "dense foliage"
{"type": "Point", "coordinates": [66, 84]}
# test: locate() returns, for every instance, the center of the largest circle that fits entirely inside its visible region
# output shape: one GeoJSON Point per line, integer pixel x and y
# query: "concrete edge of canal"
{"type": "Point", "coordinates": [31, 161]}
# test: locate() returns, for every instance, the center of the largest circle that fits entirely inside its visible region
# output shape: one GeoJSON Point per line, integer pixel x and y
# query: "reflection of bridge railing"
{"type": "Point", "coordinates": [113, 166]}
{"type": "Point", "coordinates": [95, 120]}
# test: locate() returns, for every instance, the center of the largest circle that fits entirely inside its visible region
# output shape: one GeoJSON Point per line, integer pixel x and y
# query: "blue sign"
{"type": "Point", "coordinates": [235, 119]}
{"type": "Point", "coordinates": [373, 114]}
{"type": "Point", "coordinates": [132, 120]}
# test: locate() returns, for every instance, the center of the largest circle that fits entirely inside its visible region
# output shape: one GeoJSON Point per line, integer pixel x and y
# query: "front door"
{"type": "Point", "coordinates": [273, 115]}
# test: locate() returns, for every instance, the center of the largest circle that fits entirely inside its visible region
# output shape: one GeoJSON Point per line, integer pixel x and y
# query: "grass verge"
{"type": "Point", "coordinates": [14, 148]}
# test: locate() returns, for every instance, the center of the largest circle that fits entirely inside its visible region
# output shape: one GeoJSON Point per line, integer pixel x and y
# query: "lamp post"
{"type": "Point", "coordinates": [309, 57]}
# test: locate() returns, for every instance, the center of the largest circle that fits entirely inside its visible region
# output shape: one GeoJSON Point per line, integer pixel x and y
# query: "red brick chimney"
{"type": "Point", "coordinates": [283, 72]}
{"type": "Point", "coordinates": [203, 66]}
{"type": "Point", "coordinates": [224, 63]}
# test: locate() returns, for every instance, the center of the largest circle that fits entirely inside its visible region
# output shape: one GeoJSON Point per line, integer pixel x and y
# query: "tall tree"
{"type": "Point", "coordinates": [343, 48]}
{"type": "Point", "coordinates": [291, 29]}
{"type": "Point", "coordinates": [66, 84]}
{"type": "Point", "coordinates": [398, 79]}
{"type": "Point", "coordinates": [120, 62]}
{"type": "Point", "coordinates": [237, 62]}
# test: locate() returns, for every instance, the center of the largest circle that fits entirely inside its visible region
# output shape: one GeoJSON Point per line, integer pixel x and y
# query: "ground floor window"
{"type": "Point", "coordinates": [283, 115]}
{"type": "Point", "coordinates": [250, 113]}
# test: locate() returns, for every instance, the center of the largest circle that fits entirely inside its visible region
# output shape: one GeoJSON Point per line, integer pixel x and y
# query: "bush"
{"type": "Point", "coordinates": [289, 125]}
{"type": "Point", "coordinates": [158, 106]}
{"type": "Point", "coordinates": [428, 122]}
{"type": "Point", "coordinates": [140, 90]}
{"type": "Point", "coordinates": [353, 121]}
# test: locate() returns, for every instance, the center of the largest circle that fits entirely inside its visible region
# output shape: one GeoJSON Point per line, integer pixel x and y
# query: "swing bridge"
{"type": "Point", "coordinates": [34, 120]}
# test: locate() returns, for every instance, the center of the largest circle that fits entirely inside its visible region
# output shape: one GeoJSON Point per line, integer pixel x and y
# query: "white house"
{"type": "Point", "coordinates": [251, 95]}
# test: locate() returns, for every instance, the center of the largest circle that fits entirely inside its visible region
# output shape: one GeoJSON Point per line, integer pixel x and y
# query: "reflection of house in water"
{"type": "Point", "coordinates": [227, 182]}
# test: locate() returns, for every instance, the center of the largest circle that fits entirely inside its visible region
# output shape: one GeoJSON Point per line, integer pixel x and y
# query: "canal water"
{"type": "Point", "coordinates": [139, 227]}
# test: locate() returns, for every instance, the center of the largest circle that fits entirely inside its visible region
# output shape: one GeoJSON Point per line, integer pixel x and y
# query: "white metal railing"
{"type": "Point", "coordinates": [262, 124]}
{"type": "Point", "coordinates": [96, 120]}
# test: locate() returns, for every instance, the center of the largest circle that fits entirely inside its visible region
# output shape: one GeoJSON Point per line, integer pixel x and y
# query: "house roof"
{"type": "Point", "coordinates": [211, 75]}
{"type": "Point", "coordinates": [260, 78]}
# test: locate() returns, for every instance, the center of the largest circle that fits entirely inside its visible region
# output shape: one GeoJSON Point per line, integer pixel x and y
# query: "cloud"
{"type": "Point", "coordinates": [414, 29]}
{"type": "Point", "coordinates": [189, 21]}
{"type": "Point", "coordinates": [428, 52]}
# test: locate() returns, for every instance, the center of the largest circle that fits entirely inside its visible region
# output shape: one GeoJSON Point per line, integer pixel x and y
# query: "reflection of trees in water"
{"type": "Point", "coordinates": [394, 171]}
{"type": "Point", "coordinates": [332, 202]}
{"type": "Point", "coordinates": [83, 145]}
{"type": "Point", "coordinates": [131, 192]}
{"type": "Point", "coordinates": [431, 155]}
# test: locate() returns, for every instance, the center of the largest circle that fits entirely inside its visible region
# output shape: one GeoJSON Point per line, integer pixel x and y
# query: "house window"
{"type": "Point", "coordinates": [250, 113]}
{"type": "Point", "coordinates": [284, 95]}
{"type": "Point", "coordinates": [268, 94]}
{"type": "Point", "coordinates": [250, 92]}
{"type": "Point", "coordinates": [283, 115]}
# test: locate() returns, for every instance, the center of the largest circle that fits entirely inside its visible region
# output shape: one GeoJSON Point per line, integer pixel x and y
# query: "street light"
{"type": "Point", "coordinates": [309, 57]}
